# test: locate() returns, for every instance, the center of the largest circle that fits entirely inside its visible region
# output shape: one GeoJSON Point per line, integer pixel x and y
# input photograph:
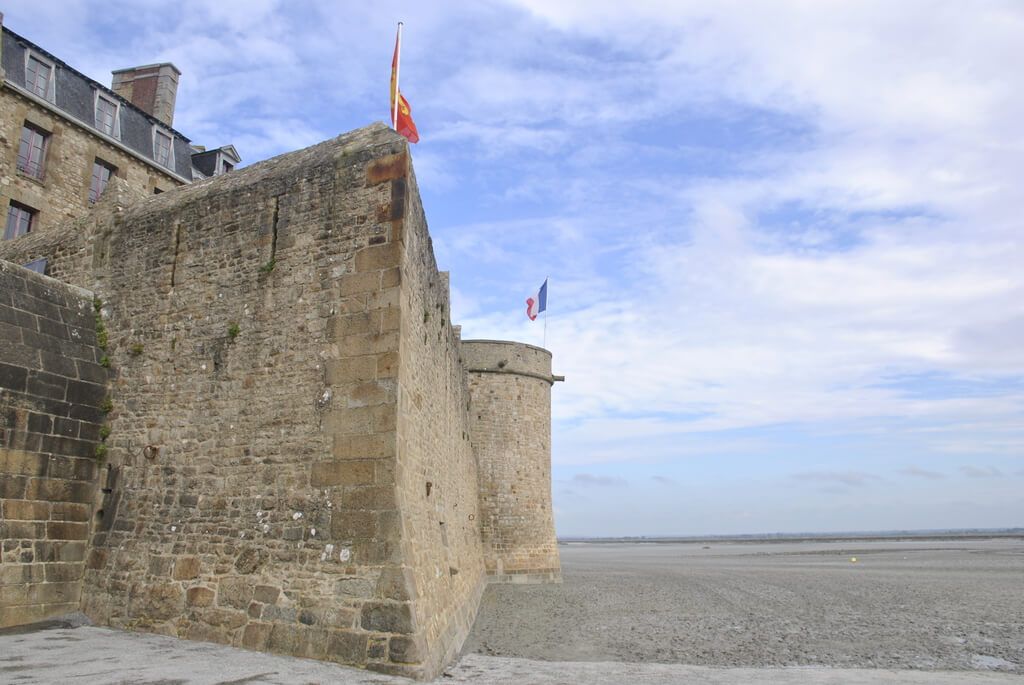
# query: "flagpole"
{"type": "Point", "coordinates": [398, 65]}
{"type": "Point", "coordinates": [545, 343]}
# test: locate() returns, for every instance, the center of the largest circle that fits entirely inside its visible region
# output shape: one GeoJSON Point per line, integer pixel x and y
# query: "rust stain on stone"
{"type": "Point", "coordinates": [387, 169]}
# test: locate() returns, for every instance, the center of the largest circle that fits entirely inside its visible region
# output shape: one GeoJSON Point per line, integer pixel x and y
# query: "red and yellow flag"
{"type": "Point", "coordinates": [401, 116]}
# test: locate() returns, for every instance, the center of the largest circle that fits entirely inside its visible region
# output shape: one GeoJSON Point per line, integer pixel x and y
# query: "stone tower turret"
{"type": "Point", "coordinates": [510, 414]}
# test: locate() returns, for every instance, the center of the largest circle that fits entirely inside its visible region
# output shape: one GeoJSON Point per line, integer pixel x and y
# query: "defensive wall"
{"type": "Point", "coordinates": [52, 390]}
{"type": "Point", "coordinates": [298, 459]}
{"type": "Point", "coordinates": [510, 384]}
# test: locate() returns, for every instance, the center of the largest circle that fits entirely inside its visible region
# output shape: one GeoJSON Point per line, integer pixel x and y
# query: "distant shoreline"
{"type": "Point", "coordinates": [867, 536]}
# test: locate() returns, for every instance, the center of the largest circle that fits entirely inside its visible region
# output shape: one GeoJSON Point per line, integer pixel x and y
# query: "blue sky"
{"type": "Point", "coordinates": [784, 239]}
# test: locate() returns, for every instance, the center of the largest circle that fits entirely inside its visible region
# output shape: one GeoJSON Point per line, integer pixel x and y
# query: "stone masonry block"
{"type": "Point", "coordinates": [13, 377]}
{"type": "Point", "coordinates": [64, 573]}
{"type": "Point", "coordinates": [234, 592]}
{"type": "Point", "coordinates": [351, 370]}
{"type": "Point", "coordinates": [347, 647]}
{"type": "Point", "coordinates": [387, 617]}
{"type": "Point", "coordinates": [368, 343]}
{"type": "Point", "coordinates": [369, 497]}
{"type": "Point", "coordinates": [19, 462]}
{"type": "Point", "coordinates": [368, 446]}
{"type": "Point", "coordinates": [256, 635]}
{"type": "Point", "coordinates": [26, 510]}
{"type": "Point", "coordinates": [396, 583]}
{"type": "Point", "coordinates": [185, 568]}
{"type": "Point", "coordinates": [387, 365]}
{"type": "Point", "coordinates": [64, 530]}
{"type": "Point", "coordinates": [199, 597]}
{"type": "Point", "coordinates": [391, 278]}
{"type": "Point", "coordinates": [341, 472]}
{"type": "Point", "coordinates": [267, 594]}
{"type": "Point", "coordinates": [353, 525]}
{"type": "Point", "coordinates": [284, 639]}
{"type": "Point", "coordinates": [358, 323]}
{"type": "Point", "coordinates": [353, 284]}
{"type": "Point", "coordinates": [377, 257]}
{"type": "Point", "coordinates": [69, 511]}
{"type": "Point", "coordinates": [361, 420]}
{"type": "Point", "coordinates": [405, 650]}
{"type": "Point", "coordinates": [370, 393]}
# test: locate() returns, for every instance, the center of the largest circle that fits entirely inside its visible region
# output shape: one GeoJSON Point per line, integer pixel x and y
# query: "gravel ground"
{"type": "Point", "coordinates": [927, 604]}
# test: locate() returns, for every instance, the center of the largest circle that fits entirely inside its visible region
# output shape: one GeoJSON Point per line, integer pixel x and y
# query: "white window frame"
{"type": "Point", "coordinates": [51, 91]}
{"type": "Point", "coordinates": [32, 218]}
{"type": "Point", "coordinates": [40, 173]}
{"type": "Point", "coordinates": [98, 162]}
{"type": "Point", "coordinates": [157, 131]}
{"type": "Point", "coordinates": [116, 133]}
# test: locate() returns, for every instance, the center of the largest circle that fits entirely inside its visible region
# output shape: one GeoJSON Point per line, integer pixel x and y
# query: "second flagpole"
{"type": "Point", "coordinates": [398, 66]}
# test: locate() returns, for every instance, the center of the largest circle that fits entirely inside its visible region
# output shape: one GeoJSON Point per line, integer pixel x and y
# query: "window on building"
{"type": "Point", "coordinates": [20, 220]}
{"type": "Point", "coordinates": [38, 75]}
{"type": "Point", "coordinates": [32, 151]}
{"type": "Point", "coordinates": [162, 148]}
{"type": "Point", "coordinates": [101, 173]}
{"type": "Point", "coordinates": [106, 116]}
{"type": "Point", "coordinates": [228, 167]}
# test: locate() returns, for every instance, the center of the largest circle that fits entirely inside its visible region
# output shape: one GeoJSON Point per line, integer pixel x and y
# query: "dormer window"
{"type": "Point", "coordinates": [39, 76]}
{"type": "Point", "coordinates": [107, 120]}
{"type": "Point", "coordinates": [163, 152]}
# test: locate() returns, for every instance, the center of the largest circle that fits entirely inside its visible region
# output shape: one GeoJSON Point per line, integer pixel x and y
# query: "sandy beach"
{"type": "Point", "coordinates": [922, 604]}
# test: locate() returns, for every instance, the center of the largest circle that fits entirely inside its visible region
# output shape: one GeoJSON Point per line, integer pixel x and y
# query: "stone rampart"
{"type": "Point", "coordinates": [52, 391]}
{"type": "Point", "coordinates": [291, 452]}
{"type": "Point", "coordinates": [436, 469]}
{"type": "Point", "coordinates": [510, 384]}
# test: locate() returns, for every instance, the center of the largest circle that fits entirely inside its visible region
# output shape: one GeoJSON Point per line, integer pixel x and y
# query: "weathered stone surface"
{"type": "Point", "coordinates": [256, 635]}
{"type": "Point", "coordinates": [234, 592]}
{"type": "Point", "coordinates": [387, 618]}
{"type": "Point", "coordinates": [266, 594]}
{"type": "Point", "coordinates": [47, 465]}
{"type": "Point", "coordinates": [186, 568]}
{"type": "Point", "coordinates": [347, 647]}
{"type": "Point", "coordinates": [200, 596]}
{"type": "Point", "coordinates": [156, 602]}
{"type": "Point", "coordinates": [250, 559]}
{"type": "Point", "coordinates": [404, 650]}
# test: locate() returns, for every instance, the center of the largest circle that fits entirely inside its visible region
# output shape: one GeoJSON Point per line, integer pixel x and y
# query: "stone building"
{"type": "Point", "coordinates": [238, 411]}
{"type": "Point", "coordinates": [65, 136]}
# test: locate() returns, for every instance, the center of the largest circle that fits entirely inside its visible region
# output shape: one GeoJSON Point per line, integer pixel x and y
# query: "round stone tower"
{"type": "Point", "coordinates": [510, 414]}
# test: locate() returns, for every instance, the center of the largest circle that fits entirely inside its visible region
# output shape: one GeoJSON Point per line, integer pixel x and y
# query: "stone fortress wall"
{"type": "Point", "coordinates": [52, 390]}
{"type": "Point", "coordinates": [293, 461]}
{"type": "Point", "coordinates": [510, 384]}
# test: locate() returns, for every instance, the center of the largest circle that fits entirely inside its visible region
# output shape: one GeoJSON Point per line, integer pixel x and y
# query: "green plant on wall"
{"type": "Point", "coordinates": [234, 329]}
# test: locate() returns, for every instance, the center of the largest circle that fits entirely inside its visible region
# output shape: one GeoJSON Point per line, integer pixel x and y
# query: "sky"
{"type": "Point", "coordinates": [785, 240]}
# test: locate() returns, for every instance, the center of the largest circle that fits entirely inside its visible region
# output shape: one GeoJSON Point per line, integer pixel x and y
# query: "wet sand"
{"type": "Point", "coordinates": [949, 605]}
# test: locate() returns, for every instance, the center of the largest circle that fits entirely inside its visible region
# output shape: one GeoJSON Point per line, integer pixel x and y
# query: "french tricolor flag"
{"type": "Point", "coordinates": [537, 303]}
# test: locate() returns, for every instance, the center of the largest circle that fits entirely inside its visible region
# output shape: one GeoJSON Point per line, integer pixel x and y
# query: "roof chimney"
{"type": "Point", "coordinates": [151, 88]}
